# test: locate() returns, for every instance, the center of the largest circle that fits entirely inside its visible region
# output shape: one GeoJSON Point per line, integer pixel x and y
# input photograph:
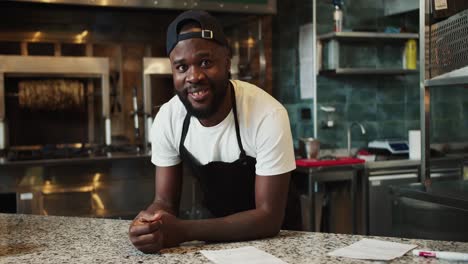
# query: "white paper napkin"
{"type": "Point", "coordinates": [373, 249]}
{"type": "Point", "coordinates": [244, 255]}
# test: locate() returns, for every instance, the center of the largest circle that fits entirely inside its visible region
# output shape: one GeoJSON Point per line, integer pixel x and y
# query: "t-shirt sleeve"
{"type": "Point", "coordinates": [164, 149]}
{"type": "Point", "coordinates": [275, 150]}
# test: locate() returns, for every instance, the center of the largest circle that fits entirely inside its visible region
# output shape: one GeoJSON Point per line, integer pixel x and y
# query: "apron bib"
{"type": "Point", "coordinates": [228, 187]}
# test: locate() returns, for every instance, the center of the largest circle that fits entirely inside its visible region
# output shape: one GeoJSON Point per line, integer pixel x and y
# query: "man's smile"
{"type": "Point", "coordinates": [198, 95]}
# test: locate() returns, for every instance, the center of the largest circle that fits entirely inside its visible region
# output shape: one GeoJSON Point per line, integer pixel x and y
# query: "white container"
{"type": "Point", "coordinates": [338, 19]}
{"type": "Point", "coordinates": [367, 157]}
{"type": "Point", "coordinates": [414, 141]}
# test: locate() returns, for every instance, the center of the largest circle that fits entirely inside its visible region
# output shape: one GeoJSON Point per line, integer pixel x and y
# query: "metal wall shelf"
{"type": "Point", "coordinates": [332, 41]}
{"type": "Point", "coordinates": [456, 77]}
{"type": "Point", "coordinates": [357, 71]}
{"type": "Point", "coordinates": [368, 35]}
{"type": "Point", "coordinates": [393, 7]}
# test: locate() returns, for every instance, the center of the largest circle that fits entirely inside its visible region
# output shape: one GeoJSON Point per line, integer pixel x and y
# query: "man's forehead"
{"type": "Point", "coordinates": [195, 48]}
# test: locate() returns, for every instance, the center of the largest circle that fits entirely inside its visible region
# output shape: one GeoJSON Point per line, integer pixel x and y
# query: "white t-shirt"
{"type": "Point", "coordinates": [264, 129]}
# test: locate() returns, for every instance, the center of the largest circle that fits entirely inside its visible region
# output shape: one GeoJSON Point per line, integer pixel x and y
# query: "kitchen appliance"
{"type": "Point", "coordinates": [392, 146]}
{"type": "Point", "coordinates": [50, 103]}
{"type": "Point", "coordinates": [438, 213]}
{"type": "Point", "coordinates": [157, 89]}
{"type": "Point", "coordinates": [309, 148]}
{"type": "Point", "coordinates": [382, 175]}
{"type": "Point", "coordinates": [136, 121]}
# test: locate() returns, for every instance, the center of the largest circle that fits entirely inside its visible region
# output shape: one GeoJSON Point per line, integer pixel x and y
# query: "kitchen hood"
{"type": "Point", "coordinates": [242, 6]}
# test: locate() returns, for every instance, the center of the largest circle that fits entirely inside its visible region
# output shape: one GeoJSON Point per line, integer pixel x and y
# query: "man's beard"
{"type": "Point", "coordinates": [219, 93]}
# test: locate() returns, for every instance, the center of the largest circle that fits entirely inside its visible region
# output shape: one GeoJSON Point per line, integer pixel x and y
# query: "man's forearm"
{"type": "Point", "coordinates": [247, 225]}
{"type": "Point", "coordinates": [264, 221]}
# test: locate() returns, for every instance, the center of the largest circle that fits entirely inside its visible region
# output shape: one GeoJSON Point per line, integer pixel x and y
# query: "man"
{"type": "Point", "coordinates": [233, 136]}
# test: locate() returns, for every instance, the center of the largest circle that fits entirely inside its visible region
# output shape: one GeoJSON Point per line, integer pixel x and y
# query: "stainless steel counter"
{"type": "Point", "coordinates": [106, 186]}
{"type": "Point", "coordinates": [453, 157]}
{"type": "Point", "coordinates": [69, 161]}
{"type": "Point", "coordinates": [391, 163]}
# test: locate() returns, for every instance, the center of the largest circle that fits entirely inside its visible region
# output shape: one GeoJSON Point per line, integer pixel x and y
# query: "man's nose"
{"type": "Point", "coordinates": [195, 74]}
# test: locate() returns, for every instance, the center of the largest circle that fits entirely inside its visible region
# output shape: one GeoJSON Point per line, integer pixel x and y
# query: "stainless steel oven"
{"type": "Point", "coordinates": [157, 89]}
{"type": "Point", "coordinates": [400, 172]}
{"type": "Point", "coordinates": [52, 103]}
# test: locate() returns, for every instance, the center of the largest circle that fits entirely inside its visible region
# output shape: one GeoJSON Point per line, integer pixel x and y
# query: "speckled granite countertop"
{"type": "Point", "coordinates": [50, 239]}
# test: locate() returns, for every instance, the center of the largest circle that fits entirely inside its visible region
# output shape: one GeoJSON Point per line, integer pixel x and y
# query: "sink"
{"type": "Point", "coordinates": [329, 162]}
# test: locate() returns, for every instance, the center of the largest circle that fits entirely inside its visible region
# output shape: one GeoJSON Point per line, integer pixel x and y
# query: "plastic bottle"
{"type": "Point", "coordinates": [337, 16]}
{"type": "Point", "coordinates": [411, 51]}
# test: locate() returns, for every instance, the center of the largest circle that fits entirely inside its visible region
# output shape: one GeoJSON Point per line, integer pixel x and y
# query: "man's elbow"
{"type": "Point", "coordinates": [273, 231]}
{"type": "Point", "coordinates": [271, 228]}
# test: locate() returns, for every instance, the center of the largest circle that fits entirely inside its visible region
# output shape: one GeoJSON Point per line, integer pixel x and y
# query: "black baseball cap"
{"type": "Point", "coordinates": [211, 29]}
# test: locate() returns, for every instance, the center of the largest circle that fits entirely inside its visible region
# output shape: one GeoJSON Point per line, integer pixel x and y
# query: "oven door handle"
{"type": "Point", "coordinates": [394, 177]}
{"type": "Point", "coordinates": [80, 189]}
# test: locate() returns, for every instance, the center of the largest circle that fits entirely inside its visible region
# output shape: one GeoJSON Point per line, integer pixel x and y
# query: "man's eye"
{"type": "Point", "coordinates": [205, 63]}
{"type": "Point", "coordinates": [181, 68]}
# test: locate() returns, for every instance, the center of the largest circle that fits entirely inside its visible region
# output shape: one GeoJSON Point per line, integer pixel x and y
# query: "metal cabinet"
{"type": "Point", "coordinates": [322, 175]}
{"type": "Point", "coordinates": [381, 178]}
{"type": "Point", "coordinates": [379, 181]}
{"type": "Point", "coordinates": [439, 212]}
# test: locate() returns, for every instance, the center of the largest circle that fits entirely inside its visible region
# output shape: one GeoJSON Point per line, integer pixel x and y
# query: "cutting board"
{"type": "Point", "coordinates": [321, 163]}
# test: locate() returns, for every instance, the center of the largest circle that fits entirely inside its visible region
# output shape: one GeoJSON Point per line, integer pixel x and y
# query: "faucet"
{"type": "Point", "coordinates": [363, 131]}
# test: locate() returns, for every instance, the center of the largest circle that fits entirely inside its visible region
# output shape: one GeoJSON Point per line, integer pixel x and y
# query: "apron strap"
{"type": "Point", "coordinates": [184, 131]}
{"type": "Point", "coordinates": [236, 122]}
{"type": "Point", "coordinates": [186, 125]}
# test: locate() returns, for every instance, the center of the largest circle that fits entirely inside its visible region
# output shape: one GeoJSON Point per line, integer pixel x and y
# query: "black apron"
{"type": "Point", "coordinates": [229, 188]}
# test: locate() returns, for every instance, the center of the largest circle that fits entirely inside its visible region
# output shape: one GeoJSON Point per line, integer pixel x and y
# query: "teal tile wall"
{"type": "Point", "coordinates": [449, 114]}
{"type": "Point", "coordinates": [291, 15]}
{"type": "Point", "coordinates": [388, 106]}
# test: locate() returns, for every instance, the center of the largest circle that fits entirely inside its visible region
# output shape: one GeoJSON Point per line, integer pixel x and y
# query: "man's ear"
{"type": "Point", "coordinates": [228, 63]}
{"type": "Point", "coordinates": [228, 58]}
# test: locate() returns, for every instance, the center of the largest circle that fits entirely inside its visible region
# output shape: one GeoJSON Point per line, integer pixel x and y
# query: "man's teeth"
{"type": "Point", "coordinates": [198, 93]}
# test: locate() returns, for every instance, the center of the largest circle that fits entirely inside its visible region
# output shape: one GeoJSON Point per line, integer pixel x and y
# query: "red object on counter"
{"type": "Point", "coordinates": [334, 162]}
